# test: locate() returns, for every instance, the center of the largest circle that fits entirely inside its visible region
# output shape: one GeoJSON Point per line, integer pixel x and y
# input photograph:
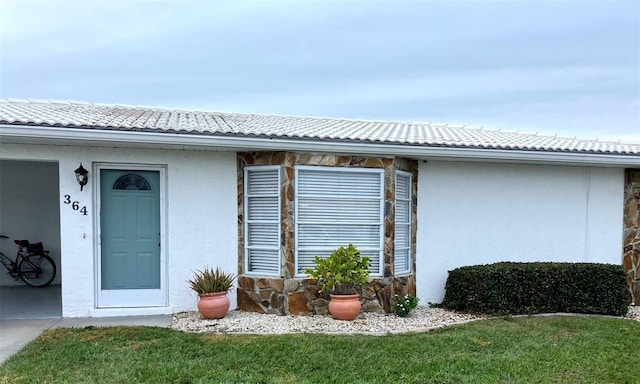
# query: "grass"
{"type": "Point", "coordinates": [507, 350]}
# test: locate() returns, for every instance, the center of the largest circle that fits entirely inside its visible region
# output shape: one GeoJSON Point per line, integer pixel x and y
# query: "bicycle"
{"type": "Point", "coordinates": [32, 265]}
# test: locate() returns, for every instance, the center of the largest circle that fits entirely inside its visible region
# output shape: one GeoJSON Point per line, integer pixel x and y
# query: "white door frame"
{"type": "Point", "coordinates": [142, 298]}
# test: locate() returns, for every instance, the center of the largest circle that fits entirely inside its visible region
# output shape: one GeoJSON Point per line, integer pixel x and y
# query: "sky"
{"type": "Point", "coordinates": [569, 68]}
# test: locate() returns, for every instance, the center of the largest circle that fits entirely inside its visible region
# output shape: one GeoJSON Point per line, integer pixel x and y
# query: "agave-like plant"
{"type": "Point", "coordinates": [210, 281]}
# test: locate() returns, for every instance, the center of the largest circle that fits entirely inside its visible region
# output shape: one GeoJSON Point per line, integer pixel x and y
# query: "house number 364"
{"type": "Point", "coordinates": [75, 205]}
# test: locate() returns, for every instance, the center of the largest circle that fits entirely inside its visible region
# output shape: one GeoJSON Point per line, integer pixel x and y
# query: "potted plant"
{"type": "Point", "coordinates": [342, 275]}
{"type": "Point", "coordinates": [211, 287]}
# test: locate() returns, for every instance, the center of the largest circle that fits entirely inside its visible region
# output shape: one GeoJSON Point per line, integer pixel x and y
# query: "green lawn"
{"type": "Point", "coordinates": [522, 350]}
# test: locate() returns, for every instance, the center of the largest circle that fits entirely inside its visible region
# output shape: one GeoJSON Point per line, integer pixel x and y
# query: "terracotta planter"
{"type": "Point", "coordinates": [213, 305]}
{"type": "Point", "coordinates": [345, 307]}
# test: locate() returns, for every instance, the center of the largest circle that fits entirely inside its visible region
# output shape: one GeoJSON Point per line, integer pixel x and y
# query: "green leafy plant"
{"type": "Point", "coordinates": [210, 281]}
{"type": "Point", "coordinates": [344, 272]}
{"type": "Point", "coordinates": [404, 304]}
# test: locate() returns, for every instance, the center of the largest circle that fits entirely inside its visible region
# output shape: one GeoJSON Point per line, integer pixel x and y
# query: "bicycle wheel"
{"type": "Point", "coordinates": [37, 270]}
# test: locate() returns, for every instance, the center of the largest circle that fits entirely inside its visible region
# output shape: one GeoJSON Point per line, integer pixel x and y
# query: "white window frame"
{"type": "Point", "coordinates": [247, 221]}
{"type": "Point", "coordinates": [378, 252]}
{"type": "Point", "coordinates": [408, 225]}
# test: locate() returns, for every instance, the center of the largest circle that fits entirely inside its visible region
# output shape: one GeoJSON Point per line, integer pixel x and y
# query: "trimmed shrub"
{"type": "Point", "coordinates": [527, 288]}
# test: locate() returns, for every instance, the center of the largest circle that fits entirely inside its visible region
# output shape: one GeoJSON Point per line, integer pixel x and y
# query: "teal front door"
{"type": "Point", "coordinates": [130, 271]}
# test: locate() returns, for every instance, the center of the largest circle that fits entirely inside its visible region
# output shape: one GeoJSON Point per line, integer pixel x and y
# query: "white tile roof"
{"type": "Point", "coordinates": [128, 118]}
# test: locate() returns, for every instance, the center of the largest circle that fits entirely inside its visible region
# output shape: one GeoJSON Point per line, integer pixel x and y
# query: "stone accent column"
{"type": "Point", "coordinates": [287, 295]}
{"type": "Point", "coordinates": [631, 250]}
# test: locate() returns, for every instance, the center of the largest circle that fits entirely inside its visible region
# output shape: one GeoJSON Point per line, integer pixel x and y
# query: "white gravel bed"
{"type": "Point", "coordinates": [634, 312]}
{"type": "Point", "coordinates": [421, 319]}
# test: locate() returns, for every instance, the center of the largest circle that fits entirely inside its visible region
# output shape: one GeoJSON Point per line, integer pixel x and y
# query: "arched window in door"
{"type": "Point", "coordinates": [132, 182]}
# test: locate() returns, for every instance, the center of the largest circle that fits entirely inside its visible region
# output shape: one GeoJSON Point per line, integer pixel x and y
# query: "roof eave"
{"type": "Point", "coordinates": [79, 136]}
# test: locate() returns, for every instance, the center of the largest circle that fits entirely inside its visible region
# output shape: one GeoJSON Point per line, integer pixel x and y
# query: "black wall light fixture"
{"type": "Point", "coordinates": [82, 175]}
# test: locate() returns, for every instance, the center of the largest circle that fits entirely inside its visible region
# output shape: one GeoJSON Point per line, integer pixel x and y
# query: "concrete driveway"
{"type": "Point", "coordinates": [16, 333]}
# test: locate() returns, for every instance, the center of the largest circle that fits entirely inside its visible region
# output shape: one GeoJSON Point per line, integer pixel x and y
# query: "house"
{"type": "Point", "coordinates": [170, 191]}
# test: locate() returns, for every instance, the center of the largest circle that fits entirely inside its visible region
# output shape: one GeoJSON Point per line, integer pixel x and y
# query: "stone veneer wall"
{"type": "Point", "coordinates": [286, 294]}
{"type": "Point", "coordinates": [631, 250]}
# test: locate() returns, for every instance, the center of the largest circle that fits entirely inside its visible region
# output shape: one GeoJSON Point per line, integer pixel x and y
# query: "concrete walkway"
{"type": "Point", "coordinates": [16, 333]}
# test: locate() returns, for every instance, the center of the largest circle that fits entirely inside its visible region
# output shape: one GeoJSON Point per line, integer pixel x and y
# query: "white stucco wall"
{"type": "Point", "coordinates": [29, 209]}
{"type": "Point", "coordinates": [468, 213]}
{"type": "Point", "coordinates": [481, 213]}
{"type": "Point", "coordinates": [201, 219]}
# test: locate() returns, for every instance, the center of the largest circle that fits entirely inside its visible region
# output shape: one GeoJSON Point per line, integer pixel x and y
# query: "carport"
{"type": "Point", "coordinates": [30, 209]}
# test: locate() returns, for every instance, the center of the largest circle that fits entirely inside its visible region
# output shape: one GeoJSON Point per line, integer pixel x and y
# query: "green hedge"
{"type": "Point", "coordinates": [526, 288]}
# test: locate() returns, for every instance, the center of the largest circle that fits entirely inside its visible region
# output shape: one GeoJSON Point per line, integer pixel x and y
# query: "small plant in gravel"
{"type": "Point", "coordinates": [404, 304]}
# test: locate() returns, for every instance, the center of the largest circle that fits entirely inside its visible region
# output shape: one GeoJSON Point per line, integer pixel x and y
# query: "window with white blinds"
{"type": "Point", "coordinates": [402, 253]}
{"type": "Point", "coordinates": [336, 207]}
{"type": "Point", "coordinates": [262, 220]}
